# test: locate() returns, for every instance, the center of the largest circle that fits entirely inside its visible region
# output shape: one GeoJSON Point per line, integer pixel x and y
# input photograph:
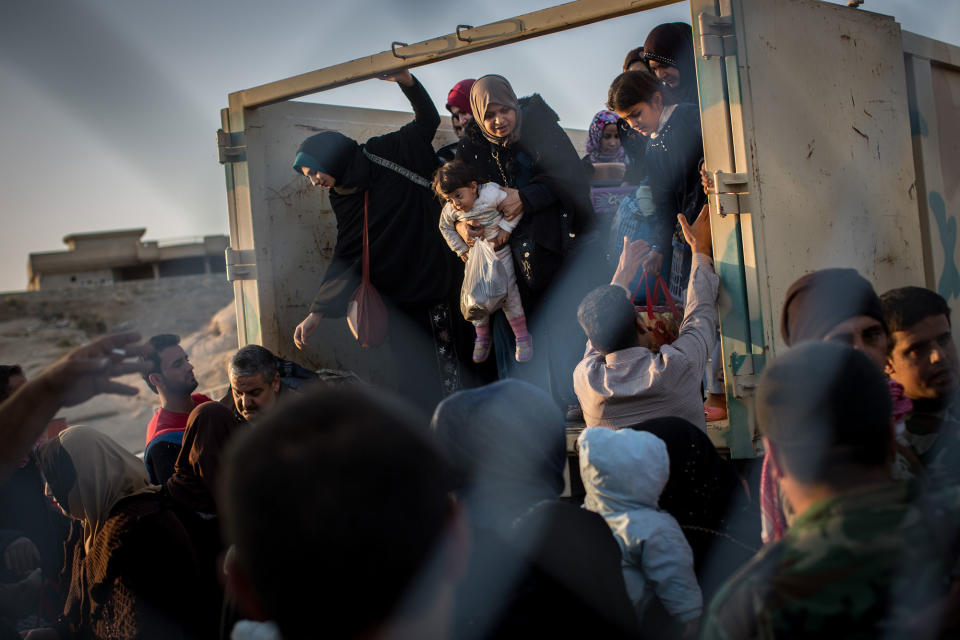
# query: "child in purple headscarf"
{"type": "Point", "coordinates": [603, 139]}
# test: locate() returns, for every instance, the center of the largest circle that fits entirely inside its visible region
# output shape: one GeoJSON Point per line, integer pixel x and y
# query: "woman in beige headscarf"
{"type": "Point", "coordinates": [133, 569]}
{"type": "Point", "coordinates": [519, 144]}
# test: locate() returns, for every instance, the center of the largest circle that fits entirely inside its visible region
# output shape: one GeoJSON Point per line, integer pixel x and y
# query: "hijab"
{"type": "Point", "coordinates": [507, 441]}
{"type": "Point", "coordinates": [329, 152]}
{"type": "Point", "coordinates": [459, 96]}
{"type": "Point", "coordinates": [672, 44]}
{"type": "Point", "coordinates": [494, 89]}
{"type": "Point", "coordinates": [95, 471]}
{"type": "Point", "coordinates": [600, 121]}
{"type": "Point", "coordinates": [821, 300]}
{"type": "Point", "coordinates": [701, 482]}
{"type": "Point", "coordinates": [197, 468]}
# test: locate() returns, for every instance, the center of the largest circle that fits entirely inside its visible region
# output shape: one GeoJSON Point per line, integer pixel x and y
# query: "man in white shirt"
{"type": "Point", "coordinates": [620, 381]}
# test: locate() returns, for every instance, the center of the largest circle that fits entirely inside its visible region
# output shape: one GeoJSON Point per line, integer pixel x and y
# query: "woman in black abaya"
{"type": "Point", "coordinates": [411, 267]}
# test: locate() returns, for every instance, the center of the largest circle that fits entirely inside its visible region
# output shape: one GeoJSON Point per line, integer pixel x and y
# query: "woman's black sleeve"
{"type": "Point", "coordinates": [426, 119]}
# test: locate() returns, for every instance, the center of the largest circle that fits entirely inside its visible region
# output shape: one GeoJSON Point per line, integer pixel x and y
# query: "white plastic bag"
{"type": "Point", "coordinates": [484, 282]}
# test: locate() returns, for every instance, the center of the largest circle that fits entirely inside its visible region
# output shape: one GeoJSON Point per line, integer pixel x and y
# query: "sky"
{"type": "Point", "coordinates": [109, 108]}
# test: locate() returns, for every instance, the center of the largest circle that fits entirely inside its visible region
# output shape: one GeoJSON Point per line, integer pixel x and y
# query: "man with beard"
{"type": "Point", "coordinates": [923, 358]}
{"type": "Point", "coordinates": [171, 377]}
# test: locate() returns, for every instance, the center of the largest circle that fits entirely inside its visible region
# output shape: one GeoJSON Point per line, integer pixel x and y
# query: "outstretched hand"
{"type": "Point", "coordinates": [631, 258]}
{"type": "Point", "coordinates": [301, 335]}
{"type": "Point", "coordinates": [89, 371]}
{"type": "Point", "coordinates": [402, 77]}
{"type": "Point", "coordinates": [78, 376]}
{"type": "Point", "coordinates": [698, 235]}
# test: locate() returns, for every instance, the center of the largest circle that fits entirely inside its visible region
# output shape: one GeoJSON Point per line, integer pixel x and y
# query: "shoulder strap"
{"type": "Point", "coordinates": [365, 276]}
{"type": "Point", "coordinates": [393, 166]}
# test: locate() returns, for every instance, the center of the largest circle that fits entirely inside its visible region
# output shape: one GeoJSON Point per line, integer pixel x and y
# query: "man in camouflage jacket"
{"type": "Point", "coordinates": [866, 557]}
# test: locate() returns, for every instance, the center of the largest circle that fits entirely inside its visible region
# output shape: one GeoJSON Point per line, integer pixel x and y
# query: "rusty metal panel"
{"type": "Point", "coordinates": [830, 153]}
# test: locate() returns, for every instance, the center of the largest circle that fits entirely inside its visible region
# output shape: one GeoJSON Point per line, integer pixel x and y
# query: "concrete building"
{"type": "Point", "coordinates": [107, 257]}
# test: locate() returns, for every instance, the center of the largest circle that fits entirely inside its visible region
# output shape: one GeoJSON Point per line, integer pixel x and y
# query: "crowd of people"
{"type": "Point", "coordinates": [304, 505]}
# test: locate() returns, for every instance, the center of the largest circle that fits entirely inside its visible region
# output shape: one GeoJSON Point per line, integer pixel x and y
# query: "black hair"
{"type": "Point", "coordinates": [631, 87]}
{"type": "Point", "coordinates": [452, 176]}
{"type": "Point", "coordinates": [8, 371]}
{"type": "Point", "coordinates": [906, 306]}
{"type": "Point", "coordinates": [253, 359]}
{"type": "Point", "coordinates": [609, 319]}
{"type": "Point", "coordinates": [158, 343]}
{"type": "Point", "coordinates": [827, 409]}
{"type": "Point", "coordinates": [343, 485]}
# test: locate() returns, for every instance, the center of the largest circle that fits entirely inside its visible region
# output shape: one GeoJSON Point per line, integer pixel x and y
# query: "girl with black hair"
{"type": "Point", "coordinates": [672, 159]}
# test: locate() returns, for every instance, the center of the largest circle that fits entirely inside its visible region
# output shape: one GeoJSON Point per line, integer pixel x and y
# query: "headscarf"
{"type": "Point", "coordinates": [672, 44]}
{"type": "Point", "coordinates": [821, 300]}
{"type": "Point", "coordinates": [329, 152]}
{"type": "Point", "coordinates": [494, 89]}
{"type": "Point", "coordinates": [701, 482]}
{"type": "Point", "coordinates": [507, 441]}
{"type": "Point", "coordinates": [601, 120]}
{"type": "Point", "coordinates": [197, 469]}
{"type": "Point", "coordinates": [634, 55]}
{"type": "Point", "coordinates": [102, 474]}
{"type": "Point", "coordinates": [459, 96]}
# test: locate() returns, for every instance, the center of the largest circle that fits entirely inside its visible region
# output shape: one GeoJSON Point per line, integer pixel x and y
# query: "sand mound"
{"type": "Point", "coordinates": [36, 328]}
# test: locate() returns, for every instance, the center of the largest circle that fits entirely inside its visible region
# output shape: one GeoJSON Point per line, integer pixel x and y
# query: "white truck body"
{"type": "Point", "coordinates": [834, 134]}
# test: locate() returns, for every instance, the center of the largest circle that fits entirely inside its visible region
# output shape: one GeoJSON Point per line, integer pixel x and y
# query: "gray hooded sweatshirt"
{"type": "Point", "coordinates": [624, 473]}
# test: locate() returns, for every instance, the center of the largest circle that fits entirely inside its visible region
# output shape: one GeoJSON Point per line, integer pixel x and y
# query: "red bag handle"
{"type": "Point", "coordinates": [659, 285]}
{"type": "Point", "coordinates": [365, 276]}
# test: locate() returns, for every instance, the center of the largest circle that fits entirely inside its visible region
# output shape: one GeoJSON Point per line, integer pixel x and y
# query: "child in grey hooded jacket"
{"type": "Point", "coordinates": [624, 473]}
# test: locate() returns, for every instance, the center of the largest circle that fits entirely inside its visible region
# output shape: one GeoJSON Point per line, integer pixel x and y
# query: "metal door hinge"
{"type": "Point", "coordinates": [241, 264]}
{"type": "Point", "coordinates": [717, 39]}
{"type": "Point", "coordinates": [232, 147]}
{"type": "Point", "coordinates": [725, 195]}
{"type": "Point", "coordinates": [744, 385]}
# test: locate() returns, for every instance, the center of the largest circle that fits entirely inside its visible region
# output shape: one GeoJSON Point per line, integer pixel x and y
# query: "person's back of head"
{"type": "Point", "coordinates": [609, 319]}
{"type": "Point", "coordinates": [342, 487]}
{"type": "Point", "coordinates": [508, 435]}
{"type": "Point", "coordinates": [826, 409]}
{"type": "Point", "coordinates": [11, 379]}
{"type": "Point", "coordinates": [622, 470]}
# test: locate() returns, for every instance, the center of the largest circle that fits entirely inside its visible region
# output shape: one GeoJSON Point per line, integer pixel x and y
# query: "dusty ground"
{"type": "Point", "coordinates": [36, 328]}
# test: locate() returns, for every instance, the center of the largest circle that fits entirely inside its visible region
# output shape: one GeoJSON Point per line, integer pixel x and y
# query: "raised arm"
{"type": "Point", "coordinates": [78, 376]}
{"type": "Point", "coordinates": [699, 328]}
{"type": "Point", "coordinates": [426, 119]}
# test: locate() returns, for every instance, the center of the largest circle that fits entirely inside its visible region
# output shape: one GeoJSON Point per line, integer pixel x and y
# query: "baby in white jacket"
{"type": "Point", "coordinates": [465, 199]}
{"type": "Point", "coordinates": [624, 473]}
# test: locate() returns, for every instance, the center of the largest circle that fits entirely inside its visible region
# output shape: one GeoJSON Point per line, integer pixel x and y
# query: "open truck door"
{"type": "Point", "coordinates": [805, 108]}
{"type": "Point", "coordinates": [806, 131]}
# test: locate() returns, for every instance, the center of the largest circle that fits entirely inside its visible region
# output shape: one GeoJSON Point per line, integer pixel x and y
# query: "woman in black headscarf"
{"type": "Point", "coordinates": [668, 52]}
{"type": "Point", "coordinates": [410, 266]}
{"type": "Point", "coordinates": [709, 501]}
{"type": "Point", "coordinates": [533, 556]}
